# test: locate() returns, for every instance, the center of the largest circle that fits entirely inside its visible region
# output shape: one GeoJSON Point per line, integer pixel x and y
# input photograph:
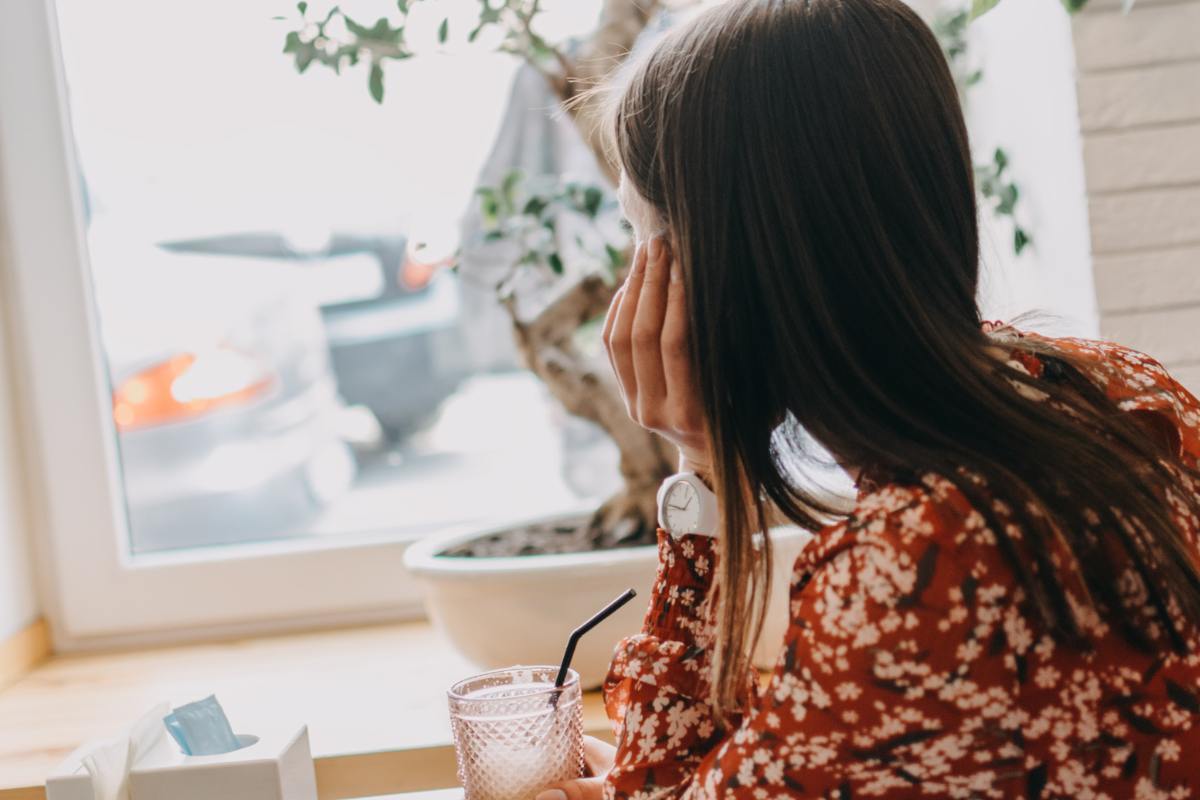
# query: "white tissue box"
{"type": "Point", "coordinates": [277, 765]}
{"type": "Point", "coordinates": [274, 765]}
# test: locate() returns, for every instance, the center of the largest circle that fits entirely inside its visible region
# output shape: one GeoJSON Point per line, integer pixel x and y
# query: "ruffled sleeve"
{"type": "Point", "coordinates": [658, 685]}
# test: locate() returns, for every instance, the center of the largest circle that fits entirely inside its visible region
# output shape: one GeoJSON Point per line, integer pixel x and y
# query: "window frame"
{"type": "Point", "coordinates": [94, 592]}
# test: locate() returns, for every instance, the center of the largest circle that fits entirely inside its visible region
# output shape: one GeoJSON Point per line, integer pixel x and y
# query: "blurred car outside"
{"type": "Point", "coordinates": [391, 315]}
{"type": "Point", "coordinates": [224, 401]}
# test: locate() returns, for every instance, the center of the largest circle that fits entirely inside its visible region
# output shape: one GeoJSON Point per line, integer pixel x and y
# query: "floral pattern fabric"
{"type": "Point", "coordinates": [911, 666]}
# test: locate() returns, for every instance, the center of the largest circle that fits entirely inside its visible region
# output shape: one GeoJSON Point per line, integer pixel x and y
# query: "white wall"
{"type": "Point", "coordinates": [18, 603]}
{"type": "Point", "coordinates": [1026, 104]}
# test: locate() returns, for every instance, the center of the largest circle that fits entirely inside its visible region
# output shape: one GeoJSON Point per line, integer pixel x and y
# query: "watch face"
{"type": "Point", "coordinates": [681, 508]}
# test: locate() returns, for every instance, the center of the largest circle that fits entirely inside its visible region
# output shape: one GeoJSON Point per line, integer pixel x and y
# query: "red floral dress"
{"type": "Point", "coordinates": [910, 667]}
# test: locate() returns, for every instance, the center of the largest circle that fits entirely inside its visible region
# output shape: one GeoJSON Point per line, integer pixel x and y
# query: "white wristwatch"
{"type": "Point", "coordinates": [686, 505]}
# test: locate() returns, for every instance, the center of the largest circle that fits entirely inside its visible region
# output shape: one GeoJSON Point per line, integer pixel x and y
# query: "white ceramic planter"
{"type": "Point", "coordinates": [503, 611]}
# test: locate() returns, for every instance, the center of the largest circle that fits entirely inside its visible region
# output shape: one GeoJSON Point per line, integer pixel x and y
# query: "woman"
{"type": "Point", "coordinates": [1011, 608]}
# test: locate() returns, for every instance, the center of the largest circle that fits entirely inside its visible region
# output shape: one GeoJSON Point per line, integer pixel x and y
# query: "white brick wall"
{"type": "Point", "coordinates": [1139, 113]}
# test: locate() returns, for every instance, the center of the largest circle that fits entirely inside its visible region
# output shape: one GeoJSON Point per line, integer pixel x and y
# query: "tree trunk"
{"type": "Point", "coordinates": [547, 346]}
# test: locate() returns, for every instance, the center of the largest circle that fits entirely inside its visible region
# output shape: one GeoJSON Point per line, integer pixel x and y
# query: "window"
{"type": "Point", "coordinates": [247, 384]}
{"type": "Point", "coordinates": [272, 378]}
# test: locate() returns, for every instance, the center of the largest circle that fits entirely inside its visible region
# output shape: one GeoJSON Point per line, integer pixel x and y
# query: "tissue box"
{"type": "Point", "coordinates": [273, 765]}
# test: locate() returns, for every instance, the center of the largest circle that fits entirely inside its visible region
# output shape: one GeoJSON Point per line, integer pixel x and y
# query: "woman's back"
{"type": "Point", "coordinates": [915, 664]}
{"type": "Point", "coordinates": [1012, 608]}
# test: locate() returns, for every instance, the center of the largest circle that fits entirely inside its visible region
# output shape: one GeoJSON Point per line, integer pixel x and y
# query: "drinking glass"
{"type": "Point", "coordinates": [515, 733]}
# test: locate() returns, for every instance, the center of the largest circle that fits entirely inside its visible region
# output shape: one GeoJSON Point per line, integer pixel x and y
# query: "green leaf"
{"type": "Point", "coordinates": [1073, 5]}
{"type": "Point", "coordinates": [1000, 159]}
{"type": "Point", "coordinates": [403, 6]}
{"type": "Point", "coordinates": [535, 206]}
{"type": "Point", "coordinates": [981, 7]}
{"type": "Point", "coordinates": [539, 47]}
{"type": "Point", "coordinates": [375, 82]}
{"type": "Point", "coordinates": [1021, 239]}
{"type": "Point", "coordinates": [305, 51]}
{"type": "Point", "coordinates": [443, 31]}
{"type": "Point", "coordinates": [592, 198]}
{"type": "Point", "coordinates": [555, 262]}
{"type": "Point", "coordinates": [487, 14]}
{"type": "Point", "coordinates": [508, 186]}
{"type": "Point", "coordinates": [302, 7]}
{"type": "Point", "coordinates": [381, 32]}
{"type": "Point", "coordinates": [489, 204]}
{"type": "Point", "coordinates": [1008, 199]}
{"type": "Point", "coordinates": [615, 258]}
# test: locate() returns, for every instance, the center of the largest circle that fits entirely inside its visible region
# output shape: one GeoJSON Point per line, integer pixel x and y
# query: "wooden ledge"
{"type": "Point", "coordinates": [374, 699]}
{"type": "Point", "coordinates": [23, 651]}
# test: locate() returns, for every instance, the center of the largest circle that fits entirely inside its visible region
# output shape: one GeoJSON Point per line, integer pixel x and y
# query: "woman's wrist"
{"type": "Point", "coordinates": [698, 465]}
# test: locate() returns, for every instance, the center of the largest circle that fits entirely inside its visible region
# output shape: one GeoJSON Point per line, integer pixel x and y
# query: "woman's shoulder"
{"type": "Point", "coordinates": [1135, 381]}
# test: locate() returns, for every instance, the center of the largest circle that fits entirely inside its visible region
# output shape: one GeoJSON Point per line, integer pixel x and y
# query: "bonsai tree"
{"type": "Point", "coordinates": [548, 338]}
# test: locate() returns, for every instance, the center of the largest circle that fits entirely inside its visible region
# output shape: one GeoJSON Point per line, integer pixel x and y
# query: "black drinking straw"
{"type": "Point", "coordinates": [600, 616]}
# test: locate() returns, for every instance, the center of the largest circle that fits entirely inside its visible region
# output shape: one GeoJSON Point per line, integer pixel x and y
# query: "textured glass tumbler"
{"type": "Point", "coordinates": [514, 733]}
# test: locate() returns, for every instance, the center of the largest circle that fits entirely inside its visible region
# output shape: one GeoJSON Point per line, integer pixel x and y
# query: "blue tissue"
{"type": "Point", "coordinates": [177, 733]}
{"type": "Point", "coordinates": [201, 728]}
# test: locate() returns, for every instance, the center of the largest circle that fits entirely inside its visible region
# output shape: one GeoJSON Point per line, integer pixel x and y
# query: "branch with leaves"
{"type": "Point", "coordinates": [535, 213]}
{"type": "Point", "coordinates": [337, 39]}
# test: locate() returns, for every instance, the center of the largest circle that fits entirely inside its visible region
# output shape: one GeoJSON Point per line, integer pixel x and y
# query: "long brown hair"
{"type": "Point", "coordinates": [811, 163]}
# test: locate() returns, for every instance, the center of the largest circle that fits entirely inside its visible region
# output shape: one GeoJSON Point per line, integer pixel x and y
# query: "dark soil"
{"type": "Point", "coordinates": [552, 537]}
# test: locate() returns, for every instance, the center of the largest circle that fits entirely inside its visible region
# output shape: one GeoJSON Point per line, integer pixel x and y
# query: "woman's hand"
{"type": "Point", "coordinates": [598, 758]}
{"type": "Point", "coordinates": [647, 338]}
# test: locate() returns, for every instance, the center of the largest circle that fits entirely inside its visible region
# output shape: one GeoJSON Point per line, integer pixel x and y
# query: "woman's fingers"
{"type": "Point", "coordinates": [582, 789]}
{"type": "Point", "coordinates": [646, 334]}
{"type": "Point", "coordinates": [621, 337]}
{"type": "Point", "coordinates": [610, 318]}
{"type": "Point", "coordinates": [599, 757]}
{"type": "Point", "coordinates": [610, 321]}
{"type": "Point", "coordinates": [676, 355]}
